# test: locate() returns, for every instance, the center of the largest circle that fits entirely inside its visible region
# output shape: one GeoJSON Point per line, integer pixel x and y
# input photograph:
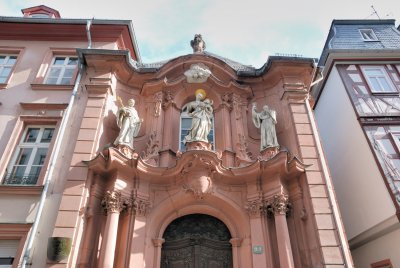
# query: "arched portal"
{"type": "Point", "coordinates": [196, 241]}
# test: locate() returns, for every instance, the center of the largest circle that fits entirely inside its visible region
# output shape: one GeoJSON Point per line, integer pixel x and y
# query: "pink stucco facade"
{"type": "Point", "coordinates": [115, 203]}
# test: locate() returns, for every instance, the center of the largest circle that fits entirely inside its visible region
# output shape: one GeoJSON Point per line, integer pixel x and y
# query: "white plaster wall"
{"type": "Point", "coordinates": [18, 208]}
{"type": "Point", "coordinates": [363, 198]}
{"type": "Point", "coordinates": [385, 247]}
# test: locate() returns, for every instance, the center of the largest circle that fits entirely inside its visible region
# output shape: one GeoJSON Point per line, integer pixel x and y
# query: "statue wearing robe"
{"type": "Point", "coordinates": [201, 113]}
{"type": "Point", "coordinates": [129, 123]}
{"type": "Point", "coordinates": [266, 121]}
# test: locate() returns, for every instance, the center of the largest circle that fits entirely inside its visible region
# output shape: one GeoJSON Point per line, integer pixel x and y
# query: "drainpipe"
{"type": "Point", "coordinates": [54, 156]}
{"type": "Point", "coordinates": [331, 193]}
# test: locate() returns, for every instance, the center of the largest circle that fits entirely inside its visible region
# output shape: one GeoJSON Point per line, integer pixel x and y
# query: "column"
{"type": "Point", "coordinates": [260, 254]}
{"type": "Point", "coordinates": [113, 205]}
{"type": "Point", "coordinates": [236, 243]}
{"type": "Point", "coordinates": [279, 207]}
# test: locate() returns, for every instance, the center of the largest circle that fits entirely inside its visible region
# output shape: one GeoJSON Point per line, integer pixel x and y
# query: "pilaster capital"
{"type": "Point", "coordinates": [139, 205]}
{"type": "Point", "coordinates": [279, 205]}
{"type": "Point", "coordinates": [255, 207]}
{"type": "Point", "coordinates": [112, 202]}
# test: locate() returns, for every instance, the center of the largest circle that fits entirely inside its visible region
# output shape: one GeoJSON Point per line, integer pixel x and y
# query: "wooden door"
{"type": "Point", "coordinates": [196, 241]}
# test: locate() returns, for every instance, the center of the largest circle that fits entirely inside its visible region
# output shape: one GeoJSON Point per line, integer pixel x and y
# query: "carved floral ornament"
{"type": "Point", "coordinates": [113, 202]}
{"type": "Point", "coordinates": [278, 205]}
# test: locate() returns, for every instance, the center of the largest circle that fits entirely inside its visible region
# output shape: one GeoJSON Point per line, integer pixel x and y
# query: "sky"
{"type": "Point", "coordinates": [247, 31]}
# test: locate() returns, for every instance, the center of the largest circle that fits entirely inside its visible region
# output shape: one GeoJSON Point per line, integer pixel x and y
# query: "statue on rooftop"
{"type": "Point", "coordinates": [198, 44]}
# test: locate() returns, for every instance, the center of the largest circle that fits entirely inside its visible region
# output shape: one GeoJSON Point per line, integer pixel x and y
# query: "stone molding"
{"type": "Point", "coordinates": [139, 205]}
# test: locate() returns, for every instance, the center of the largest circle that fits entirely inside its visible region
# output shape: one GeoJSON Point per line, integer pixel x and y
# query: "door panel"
{"type": "Point", "coordinates": [196, 241]}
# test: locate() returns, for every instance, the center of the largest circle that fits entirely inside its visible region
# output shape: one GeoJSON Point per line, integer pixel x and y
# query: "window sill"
{"type": "Point", "coordinates": [3, 85]}
{"type": "Point", "coordinates": [21, 189]}
{"type": "Point", "coordinates": [52, 87]}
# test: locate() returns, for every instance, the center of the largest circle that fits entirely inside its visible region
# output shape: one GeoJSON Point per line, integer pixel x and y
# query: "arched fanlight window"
{"type": "Point", "coordinates": [184, 127]}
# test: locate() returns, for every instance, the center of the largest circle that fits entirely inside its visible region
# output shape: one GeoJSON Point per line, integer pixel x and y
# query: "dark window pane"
{"type": "Point", "coordinates": [31, 135]}
{"type": "Point", "coordinates": [47, 135]}
{"type": "Point", "coordinates": [23, 156]}
{"type": "Point", "coordinates": [59, 61]}
{"type": "Point", "coordinates": [73, 61]}
{"type": "Point", "coordinates": [6, 260]}
{"type": "Point", "coordinates": [40, 156]}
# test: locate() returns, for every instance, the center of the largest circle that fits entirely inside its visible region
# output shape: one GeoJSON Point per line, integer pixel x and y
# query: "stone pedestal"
{"type": "Point", "coordinates": [268, 153]}
{"type": "Point", "coordinates": [198, 145]}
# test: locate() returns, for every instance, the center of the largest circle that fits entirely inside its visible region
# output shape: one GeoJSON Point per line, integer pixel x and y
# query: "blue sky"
{"type": "Point", "coordinates": [247, 31]}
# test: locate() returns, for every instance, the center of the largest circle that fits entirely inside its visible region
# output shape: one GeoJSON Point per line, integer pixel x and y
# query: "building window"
{"type": "Point", "coordinates": [28, 160]}
{"type": "Point", "coordinates": [8, 250]}
{"type": "Point", "coordinates": [378, 80]}
{"type": "Point", "coordinates": [368, 35]}
{"type": "Point", "coordinates": [62, 70]}
{"type": "Point", "coordinates": [6, 64]}
{"type": "Point", "coordinates": [185, 124]}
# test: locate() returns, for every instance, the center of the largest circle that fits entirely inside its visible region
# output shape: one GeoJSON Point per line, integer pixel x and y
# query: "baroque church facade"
{"type": "Point", "coordinates": [136, 185]}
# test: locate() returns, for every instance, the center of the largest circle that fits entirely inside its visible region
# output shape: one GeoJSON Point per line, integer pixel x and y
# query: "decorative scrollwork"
{"type": "Point", "coordinates": [151, 155]}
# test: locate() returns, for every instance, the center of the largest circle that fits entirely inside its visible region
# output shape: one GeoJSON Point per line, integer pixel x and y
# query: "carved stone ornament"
{"type": "Point", "coordinates": [197, 177]}
{"type": "Point", "coordinates": [138, 204]}
{"type": "Point", "coordinates": [158, 97]}
{"type": "Point", "coordinates": [112, 202]}
{"type": "Point", "coordinates": [279, 205]}
{"type": "Point", "coordinates": [255, 207]}
{"type": "Point", "coordinates": [243, 154]}
{"type": "Point", "coordinates": [198, 44]}
{"type": "Point", "coordinates": [151, 155]}
{"type": "Point", "coordinates": [198, 73]}
{"type": "Point", "coordinates": [268, 153]}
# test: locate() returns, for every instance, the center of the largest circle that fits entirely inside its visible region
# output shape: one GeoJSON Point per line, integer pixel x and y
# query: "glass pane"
{"type": "Point", "coordinates": [40, 156]}
{"type": "Point", "coordinates": [23, 156]}
{"type": "Point", "coordinates": [375, 85]}
{"type": "Point", "coordinates": [65, 81]}
{"type": "Point", "coordinates": [54, 72]}
{"type": "Point", "coordinates": [18, 172]}
{"type": "Point", "coordinates": [385, 84]}
{"type": "Point", "coordinates": [31, 135]}
{"type": "Point", "coordinates": [2, 59]}
{"type": "Point", "coordinates": [47, 135]}
{"type": "Point", "coordinates": [6, 71]}
{"type": "Point", "coordinates": [51, 80]}
{"type": "Point", "coordinates": [59, 61]}
{"type": "Point", "coordinates": [68, 72]}
{"type": "Point", "coordinates": [12, 60]}
{"type": "Point", "coordinates": [3, 79]}
{"type": "Point", "coordinates": [34, 173]}
{"type": "Point", "coordinates": [186, 123]}
{"type": "Point", "coordinates": [73, 61]}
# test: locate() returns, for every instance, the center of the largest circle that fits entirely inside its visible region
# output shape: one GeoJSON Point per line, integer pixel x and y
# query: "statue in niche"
{"type": "Point", "coordinates": [266, 120]}
{"type": "Point", "coordinates": [201, 112]}
{"type": "Point", "coordinates": [129, 123]}
{"type": "Point", "coordinates": [198, 44]}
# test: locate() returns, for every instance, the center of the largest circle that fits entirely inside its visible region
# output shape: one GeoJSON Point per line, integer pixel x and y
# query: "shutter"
{"type": "Point", "coordinates": [8, 251]}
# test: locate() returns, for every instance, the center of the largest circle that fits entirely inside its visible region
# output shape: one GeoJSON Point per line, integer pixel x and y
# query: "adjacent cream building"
{"type": "Point", "coordinates": [357, 108]}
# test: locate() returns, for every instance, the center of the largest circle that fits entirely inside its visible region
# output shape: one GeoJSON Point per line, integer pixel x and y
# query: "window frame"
{"type": "Point", "coordinates": [10, 51]}
{"type": "Point", "coordinates": [385, 75]}
{"type": "Point", "coordinates": [51, 54]}
{"type": "Point", "coordinates": [35, 146]}
{"type": "Point", "coordinates": [365, 32]}
{"type": "Point", "coordinates": [15, 231]}
{"type": "Point", "coordinates": [62, 68]}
